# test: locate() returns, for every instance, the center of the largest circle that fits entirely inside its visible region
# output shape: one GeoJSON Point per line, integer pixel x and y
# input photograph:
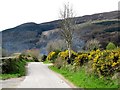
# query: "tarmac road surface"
{"type": "Point", "coordinates": [40, 76]}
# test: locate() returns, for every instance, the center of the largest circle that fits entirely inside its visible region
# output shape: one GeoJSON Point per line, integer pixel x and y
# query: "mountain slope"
{"type": "Point", "coordinates": [102, 26]}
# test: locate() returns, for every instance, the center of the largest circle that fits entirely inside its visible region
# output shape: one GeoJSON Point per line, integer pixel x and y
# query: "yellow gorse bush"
{"type": "Point", "coordinates": [51, 55]}
{"type": "Point", "coordinates": [64, 55]}
{"type": "Point", "coordinates": [81, 59]}
{"type": "Point", "coordinates": [106, 62]}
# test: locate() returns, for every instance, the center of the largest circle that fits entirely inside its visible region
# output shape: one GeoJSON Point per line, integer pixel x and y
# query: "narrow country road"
{"type": "Point", "coordinates": [40, 76]}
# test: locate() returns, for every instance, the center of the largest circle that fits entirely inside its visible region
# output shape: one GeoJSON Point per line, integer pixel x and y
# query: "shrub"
{"type": "Point", "coordinates": [13, 66]}
{"type": "Point", "coordinates": [64, 55]}
{"type": "Point", "coordinates": [81, 59]}
{"type": "Point", "coordinates": [110, 46]}
{"type": "Point", "coordinates": [52, 56]}
{"type": "Point", "coordinates": [88, 67]}
{"type": "Point", "coordinates": [62, 58]}
{"type": "Point", "coordinates": [59, 63]}
{"type": "Point", "coordinates": [17, 65]}
{"type": "Point", "coordinates": [26, 57]}
{"type": "Point", "coordinates": [107, 62]}
{"type": "Point", "coordinates": [43, 58]}
{"type": "Point", "coordinates": [32, 53]}
{"type": "Point", "coordinates": [102, 63]}
{"type": "Point", "coordinates": [93, 44]}
{"type": "Point", "coordinates": [56, 45]}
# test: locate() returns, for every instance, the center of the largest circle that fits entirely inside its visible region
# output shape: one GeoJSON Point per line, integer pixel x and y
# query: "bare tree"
{"type": "Point", "coordinates": [67, 25]}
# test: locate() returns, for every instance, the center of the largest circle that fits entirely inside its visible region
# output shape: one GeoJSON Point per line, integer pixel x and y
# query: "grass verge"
{"type": "Point", "coordinates": [46, 62]}
{"type": "Point", "coordinates": [83, 80]}
{"type": "Point", "coordinates": [7, 76]}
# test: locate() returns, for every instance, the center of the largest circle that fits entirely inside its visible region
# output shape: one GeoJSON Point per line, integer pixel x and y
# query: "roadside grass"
{"type": "Point", "coordinates": [7, 76]}
{"type": "Point", "coordinates": [83, 80]}
{"type": "Point", "coordinates": [46, 62]}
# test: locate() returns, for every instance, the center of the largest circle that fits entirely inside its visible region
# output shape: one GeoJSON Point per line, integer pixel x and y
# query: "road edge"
{"type": "Point", "coordinates": [64, 79]}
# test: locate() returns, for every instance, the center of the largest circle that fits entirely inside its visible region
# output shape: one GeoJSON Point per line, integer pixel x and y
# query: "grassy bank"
{"type": "Point", "coordinates": [83, 80]}
{"type": "Point", "coordinates": [13, 68]}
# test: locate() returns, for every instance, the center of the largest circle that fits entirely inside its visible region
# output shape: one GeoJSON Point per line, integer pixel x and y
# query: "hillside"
{"type": "Point", "coordinates": [102, 26]}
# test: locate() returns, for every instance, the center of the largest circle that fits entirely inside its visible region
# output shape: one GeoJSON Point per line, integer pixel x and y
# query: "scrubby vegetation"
{"type": "Point", "coordinates": [93, 44]}
{"type": "Point", "coordinates": [32, 54]}
{"type": "Point", "coordinates": [13, 66]}
{"type": "Point", "coordinates": [100, 67]}
{"type": "Point", "coordinates": [43, 58]}
{"type": "Point", "coordinates": [16, 67]}
{"type": "Point", "coordinates": [110, 46]}
{"type": "Point", "coordinates": [52, 56]}
{"type": "Point", "coordinates": [55, 45]}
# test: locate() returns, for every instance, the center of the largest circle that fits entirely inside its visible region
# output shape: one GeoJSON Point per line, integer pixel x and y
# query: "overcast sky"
{"type": "Point", "coordinates": [16, 12]}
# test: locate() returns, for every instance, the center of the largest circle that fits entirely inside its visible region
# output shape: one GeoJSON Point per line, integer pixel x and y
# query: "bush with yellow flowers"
{"type": "Point", "coordinates": [62, 59]}
{"type": "Point", "coordinates": [81, 59]}
{"type": "Point", "coordinates": [65, 54]}
{"type": "Point", "coordinates": [104, 63]}
{"type": "Point", "coordinates": [107, 62]}
{"type": "Point", "coordinates": [51, 56]}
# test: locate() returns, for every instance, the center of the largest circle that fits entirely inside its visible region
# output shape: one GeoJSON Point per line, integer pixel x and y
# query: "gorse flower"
{"type": "Point", "coordinates": [51, 55]}
{"type": "Point", "coordinates": [106, 62]}
{"type": "Point", "coordinates": [64, 55]}
{"type": "Point", "coordinates": [114, 64]}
